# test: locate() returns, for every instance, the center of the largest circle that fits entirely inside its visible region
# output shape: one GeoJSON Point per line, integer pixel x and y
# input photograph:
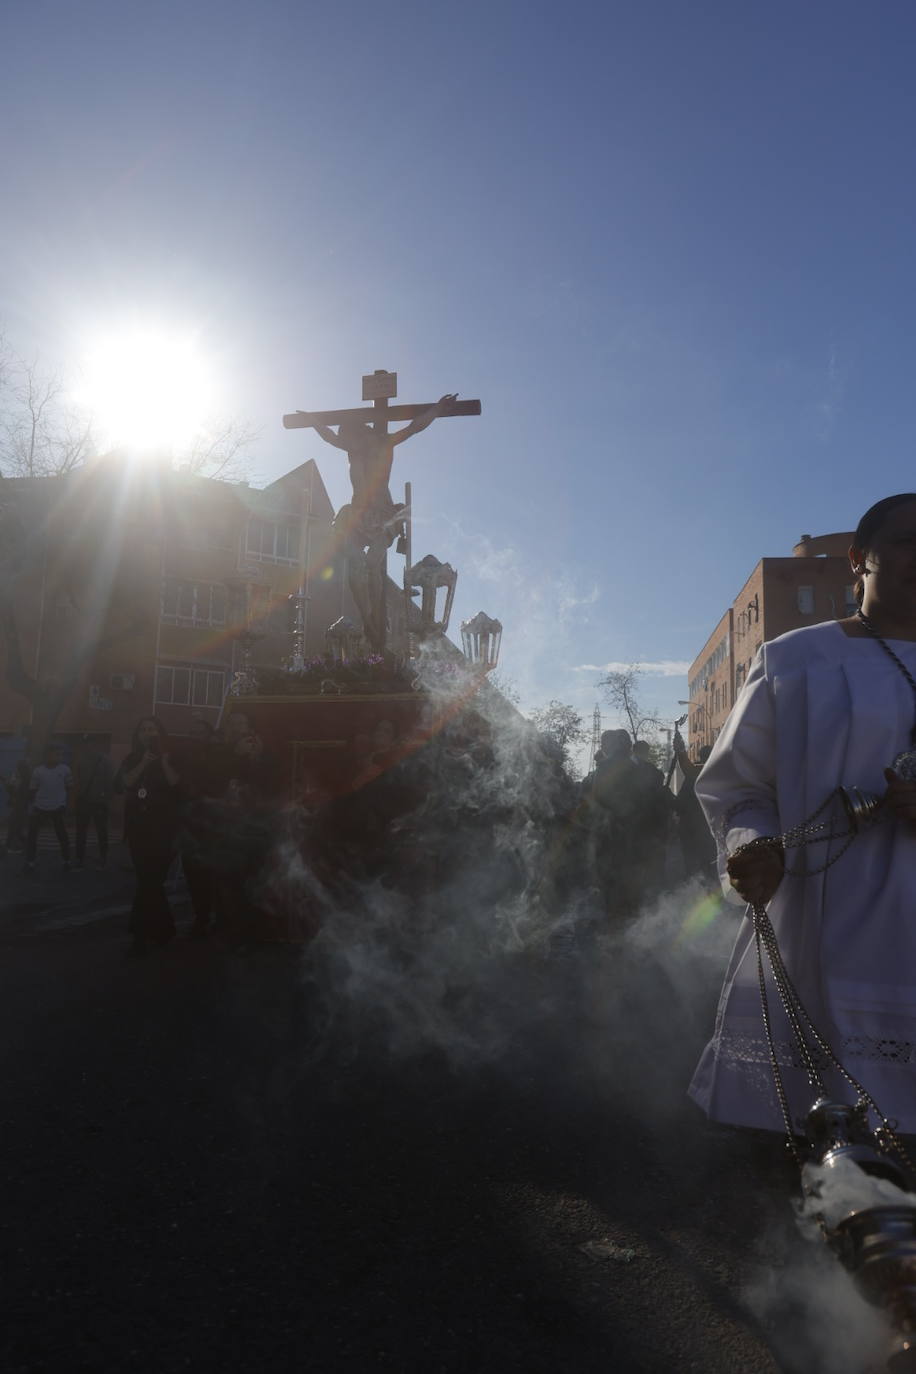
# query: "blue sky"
{"type": "Point", "coordinates": [669, 246]}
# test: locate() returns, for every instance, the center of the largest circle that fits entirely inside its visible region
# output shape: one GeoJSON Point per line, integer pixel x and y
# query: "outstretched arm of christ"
{"type": "Point", "coordinates": [326, 433]}
{"type": "Point", "coordinates": [423, 420]}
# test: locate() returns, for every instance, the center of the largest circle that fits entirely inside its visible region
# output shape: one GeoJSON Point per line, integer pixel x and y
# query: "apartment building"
{"type": "Point", "coordinates": [781, 594]}
{"type": "Point", "coordinates": [140, 590]}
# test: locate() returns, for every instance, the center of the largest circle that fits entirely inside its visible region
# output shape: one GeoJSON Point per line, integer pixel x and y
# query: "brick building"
{"type": "Point", "coordinates": [781, 594]}
{"type": "Point", "coordinates": [130, 587]}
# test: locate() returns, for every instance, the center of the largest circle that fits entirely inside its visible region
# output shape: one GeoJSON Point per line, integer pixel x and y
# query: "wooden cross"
{"type": "Point", "coordinates": [373, 518]}
{"type": "Point", "coordinates": [378, 387]}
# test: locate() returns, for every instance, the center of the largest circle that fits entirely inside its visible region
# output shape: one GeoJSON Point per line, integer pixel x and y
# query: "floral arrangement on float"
{"type": "Point", "coordinates": [327, 675]}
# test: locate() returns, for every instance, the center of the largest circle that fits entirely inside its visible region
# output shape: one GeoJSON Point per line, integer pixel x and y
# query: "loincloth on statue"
{"type": "Point", "coordinates": [372, 526]}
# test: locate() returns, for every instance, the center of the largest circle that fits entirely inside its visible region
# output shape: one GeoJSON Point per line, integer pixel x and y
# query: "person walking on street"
{"type": "Point", "coordinates": [49, 790]}
{"type": "Point", "coordinates": [93, 798]}
{"type": "Point", "coordinates": [151, 805]}
{"type": "Point", "coordinates": [205, 779]}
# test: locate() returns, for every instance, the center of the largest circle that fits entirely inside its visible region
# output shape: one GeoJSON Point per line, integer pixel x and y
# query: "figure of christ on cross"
{"type": "Point", "coordinates": [370, 522]}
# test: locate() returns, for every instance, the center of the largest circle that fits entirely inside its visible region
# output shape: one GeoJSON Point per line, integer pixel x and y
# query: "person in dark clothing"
{"type": "Point", "coordinates": [205, 775]}
{"type": "Point", "coordinates": [251, 822]}
{"type": "Point", "coordinates": [653, 810]}
{"type": "Point", "coordinates": [150, 785]}
{"type": "Point", "coordinates": [698, 848]}
{"type": "Point", "coordinates": [17, 794]}
{"type": "Point", "coordinates": [94, 781]}
{"type": "Point", "coordinates": [609, 795]}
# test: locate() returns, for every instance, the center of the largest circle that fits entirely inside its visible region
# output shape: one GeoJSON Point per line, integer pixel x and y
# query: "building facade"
{"type": "Point", "coordinates": [781, 594]}
{"type": "Point", "coordinates": [134, 591]}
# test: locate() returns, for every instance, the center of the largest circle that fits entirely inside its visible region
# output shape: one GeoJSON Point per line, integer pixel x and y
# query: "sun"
{"type": "Point", "coordinates": [148, 389]}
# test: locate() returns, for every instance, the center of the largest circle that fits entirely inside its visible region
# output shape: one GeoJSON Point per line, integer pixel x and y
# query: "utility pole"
{"type": "Point", "coordinates": [595, 743]}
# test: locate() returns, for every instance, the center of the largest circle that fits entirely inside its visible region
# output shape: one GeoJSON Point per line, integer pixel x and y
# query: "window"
{"type": "Point", "coordinates": [272, 541]}
{"type": "Point", "coordinates": [193, 603]}
{"type": "Point", "coordinates": [805, 599]}
{"type": "Point", "coordinates": [849, 596]}
{"type": "Point", "coordinates": [185, 686]}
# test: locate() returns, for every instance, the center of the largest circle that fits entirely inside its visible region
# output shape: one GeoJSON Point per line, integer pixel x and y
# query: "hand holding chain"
{"type": "Point", "coordinates": [860, 809]}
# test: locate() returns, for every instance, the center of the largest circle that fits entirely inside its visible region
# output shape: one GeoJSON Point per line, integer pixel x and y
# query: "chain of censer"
{"type": "Point", "coordinates": [800, 1023]}
{"type": "Point", "coordinates": [802, 1027]}
{"type": "Point", "coordinates": [864, 620]}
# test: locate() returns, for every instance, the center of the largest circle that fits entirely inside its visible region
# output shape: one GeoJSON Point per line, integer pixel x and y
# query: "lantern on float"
{"type": "Point", "coordinates": [427, 577]}
{"type": "Point", "coordinates": [481, 638]}
{"type": "Point", "coordinates": [245, 679]}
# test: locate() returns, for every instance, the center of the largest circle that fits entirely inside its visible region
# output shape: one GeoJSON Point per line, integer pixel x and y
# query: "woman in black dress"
{"type": "Point", "coordinates": [151, 809]}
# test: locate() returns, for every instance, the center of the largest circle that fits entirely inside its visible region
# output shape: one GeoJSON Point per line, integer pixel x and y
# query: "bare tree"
{"type": "Point", "coordinates": [561, 723]}
{"type": "Point", "coordinates": [41, 434]}
{"type": "Point", "coordinates": [221, 450]}
{"type": "Point", "coordinates": [505, 687]}
{"type": "Point", "coordinates": [621, 690]}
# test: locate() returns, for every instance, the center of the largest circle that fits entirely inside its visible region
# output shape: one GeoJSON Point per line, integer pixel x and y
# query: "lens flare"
{"type": "Point", "coordinates": [147, 388]}
{"type": "Point", "coordinates": [700, 916]}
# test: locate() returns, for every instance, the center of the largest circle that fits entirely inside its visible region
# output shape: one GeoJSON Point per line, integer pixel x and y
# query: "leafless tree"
{"type": "Point", "coordinates": [41, 433]}
{"type": "Point", "coordinates": [621, 690]}
{"type": "Point", "coordinates": [561, 723]}
{"type": "Point", "coordinates": [505, 687]}
{"type": "Point", "coordinates": [221, 450]}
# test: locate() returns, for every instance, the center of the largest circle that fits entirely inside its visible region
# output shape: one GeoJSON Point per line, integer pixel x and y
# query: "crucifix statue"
{"type": "Point", "coordinates": [369, 523]}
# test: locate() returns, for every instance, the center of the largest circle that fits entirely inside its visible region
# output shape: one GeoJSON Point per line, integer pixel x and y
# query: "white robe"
{"type": "Point", "coordinates": [819, 710]}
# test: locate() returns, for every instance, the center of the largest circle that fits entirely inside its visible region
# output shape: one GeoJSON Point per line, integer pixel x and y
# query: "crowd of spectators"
{"type": "Point", "coordinates": [426, 814]}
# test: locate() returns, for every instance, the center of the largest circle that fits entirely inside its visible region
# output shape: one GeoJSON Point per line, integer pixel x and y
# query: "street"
{"type": "Point", "coordinates": [234, 1163]}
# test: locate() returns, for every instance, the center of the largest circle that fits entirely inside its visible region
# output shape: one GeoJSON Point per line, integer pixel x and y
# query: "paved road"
{"type": "Point", "coordinates": [227, 1163]}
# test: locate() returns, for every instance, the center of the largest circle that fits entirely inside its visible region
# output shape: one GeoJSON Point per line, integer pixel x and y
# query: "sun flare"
{"type": "Point", "coordinates": [147, 389]}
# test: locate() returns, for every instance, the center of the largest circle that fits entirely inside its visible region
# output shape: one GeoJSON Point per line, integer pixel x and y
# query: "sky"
{"type": "Point", "coordinates": [670, 247]}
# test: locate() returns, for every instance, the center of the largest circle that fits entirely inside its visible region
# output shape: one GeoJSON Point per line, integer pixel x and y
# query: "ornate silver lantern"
{"type": "Point", "coordinates": [245, 679]}
{"type": "Point", "coordinates": [427, 577]}
{"type": "Point", "coordinates": [481, 638]}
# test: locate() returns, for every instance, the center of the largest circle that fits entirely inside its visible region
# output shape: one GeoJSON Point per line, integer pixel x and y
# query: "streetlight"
{"type": "Point", "coordinates": [698, 706]}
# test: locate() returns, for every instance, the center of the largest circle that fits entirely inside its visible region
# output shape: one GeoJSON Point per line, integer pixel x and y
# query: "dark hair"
{"type": "Point", "coordinates": [160, 728]}
{"type": "Point", "coordinates": [873, 518]}
{"type": "Point", "coordinates": [868, 527]}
